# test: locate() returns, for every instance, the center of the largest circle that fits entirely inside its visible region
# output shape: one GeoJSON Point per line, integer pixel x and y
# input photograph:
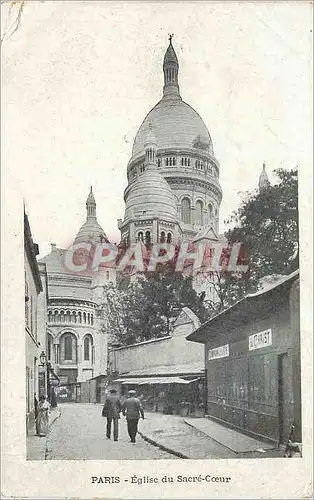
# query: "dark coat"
{"type": "Point", "coordinates": [112, 407]}
{"type": "Point", "coordinates": [133, 408]}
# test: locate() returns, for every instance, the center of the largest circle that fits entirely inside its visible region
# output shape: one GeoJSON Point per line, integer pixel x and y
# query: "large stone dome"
{"type": "Point", "coordinates": [91, 231]}
{"type": "Point", "coordinates": [176, 125]}
{"type": "Point", "coordinates": [151, 196]}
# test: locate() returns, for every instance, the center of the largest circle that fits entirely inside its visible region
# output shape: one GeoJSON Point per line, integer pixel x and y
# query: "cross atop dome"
{"type": "Point", "coordinates": [91, 204]}
{"type": "Point", "coordinates": [171, 37]}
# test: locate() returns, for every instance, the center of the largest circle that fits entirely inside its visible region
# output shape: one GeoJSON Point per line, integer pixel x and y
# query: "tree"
{"type": "Point", "coordinates": [266, 224]}
{"type": "Point", "coordinates": [146, 309]}
{"type": "Point", "coordinates": [117, 311]}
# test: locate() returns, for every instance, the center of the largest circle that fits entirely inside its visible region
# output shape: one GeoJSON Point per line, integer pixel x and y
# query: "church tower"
{"type": "Point", "coordinates": [150, 205]}
{"type": "Point", "coordinates": [184, 156]}
{"type": "Point", "coordinates": [91, 231]}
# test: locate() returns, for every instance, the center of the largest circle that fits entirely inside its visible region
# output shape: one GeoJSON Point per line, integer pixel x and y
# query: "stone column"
{"type": "Point", "coordinates": [154, 232]}
{"type": "Point", "coordinates": [193, 214]}
{"type": "Point", "coordinates": [79, 360]}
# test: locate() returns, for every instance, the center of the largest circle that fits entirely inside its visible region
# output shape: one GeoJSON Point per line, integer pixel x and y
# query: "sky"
{"type": "Point", "coordinates": [78, 78]}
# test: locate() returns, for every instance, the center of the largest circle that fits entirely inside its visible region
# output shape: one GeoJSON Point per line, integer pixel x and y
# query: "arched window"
{"type": "Point", "coordinates": [79, 317]}
{"type": "Point", "coordinates": [169, 238]}
{"type": "Point", "coordinates": [210, 212]}
{"type": "Point", "coordinates": [162, 237]}
{"type": "Point", "coordinates": [158, 162]}
{"type": "Point", "coordinates": [186, 210]}
{"type": "Point", "coordinates": [199, 212]}
{"type": "Point", "coordinates": [147, 238]}
{"type": "Point", "coordinates": [140, 236]}
{"type": "Point", "coordinates": [50, 317]}
{"type": "Point", "coordinates": [88, 318]}
{"type": "Point", "coordinates": [182, 161]}
{"type": "Point", "coordinates": [88, 344]}
{"type": "Point", "coordinates": [92, 319]}
{"type": "Point", "coordinates": [68, 346]}
{"type": "Point", "coordinates": [84, 318]}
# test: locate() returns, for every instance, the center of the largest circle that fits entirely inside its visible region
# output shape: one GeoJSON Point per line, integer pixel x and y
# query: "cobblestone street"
{"type": "Point", "coordinates": [79, 434]}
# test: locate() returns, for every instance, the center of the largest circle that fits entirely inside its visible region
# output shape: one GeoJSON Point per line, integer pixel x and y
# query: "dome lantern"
{"type": "Point", "coordinates": [263, 182]}
{"type": "Point", "coordinates": [91, 204]}
{"type": "Point", "coordinates": [171, 71]}
{"type": "Point", "coordinates": [91, 231]}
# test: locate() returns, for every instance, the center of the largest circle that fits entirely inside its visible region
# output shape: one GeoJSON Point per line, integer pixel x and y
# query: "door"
{"type": "Point", "coordinates": [285, 397]}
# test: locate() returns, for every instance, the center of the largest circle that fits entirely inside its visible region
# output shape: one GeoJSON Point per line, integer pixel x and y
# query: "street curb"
{"type": "Point", "coordinates": [210, 437]}
{"type": "Point", "coordinates": [163, 447]}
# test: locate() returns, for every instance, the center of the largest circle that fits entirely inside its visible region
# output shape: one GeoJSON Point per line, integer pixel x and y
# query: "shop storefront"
{"type": "Point", "coordinates": [252, 353]}
{"type": "Point", "coordinates": [169, 395]}
{"type": "Point", "coordinates": [167, 373]}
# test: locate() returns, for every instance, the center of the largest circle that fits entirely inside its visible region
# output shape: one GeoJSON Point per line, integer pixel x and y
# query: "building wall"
{"type": "Point", "coordinates": [42, 310]}
{"type": "Point", "coordinates": [174, 350]}
{"type": "Point", "coordinates": [85, 368]}
{"type": "Point", "coordinates": [254, 389]}
{"type": "Point", "coordinates": [31, 347]}
{"type": "Point", "coordinates": [35, 328]}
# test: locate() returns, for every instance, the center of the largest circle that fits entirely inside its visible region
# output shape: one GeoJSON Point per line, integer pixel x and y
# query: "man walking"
{"type": "Point", "coordinates": [132, 409]}
{"type": "Point", "coordinates": [111, 410]}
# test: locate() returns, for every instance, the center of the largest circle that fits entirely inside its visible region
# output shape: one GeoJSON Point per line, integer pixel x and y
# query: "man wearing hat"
{"type": "Point", "coordinates": [111, 410]}
{"type": "Point", "coordinates": [133, 410]}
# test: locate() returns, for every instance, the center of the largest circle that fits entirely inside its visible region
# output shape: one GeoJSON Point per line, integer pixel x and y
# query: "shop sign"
{"type": "Point", "coordinates": [259, 340]}
{"type": "Point", "coordinates": [42, 383]}
{"type": "Point", "coordinates": [218, 352]}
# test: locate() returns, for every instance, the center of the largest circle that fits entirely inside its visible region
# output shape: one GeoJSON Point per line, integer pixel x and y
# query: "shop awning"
{"type": "Point", "coordinates": [153, 381]}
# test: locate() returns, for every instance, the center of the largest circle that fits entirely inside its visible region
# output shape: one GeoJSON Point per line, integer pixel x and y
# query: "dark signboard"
{"type": "Point", "coordinates": [42, 383]}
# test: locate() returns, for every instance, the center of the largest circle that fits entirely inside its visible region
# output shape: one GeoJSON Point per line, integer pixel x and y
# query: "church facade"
{"type": "Point", "coordinates": [76, 345]}
{"type": "Point", "coordinates": [173, 195]}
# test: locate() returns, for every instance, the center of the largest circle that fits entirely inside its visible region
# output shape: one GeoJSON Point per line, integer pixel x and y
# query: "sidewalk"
{"type": "Point", "coordinates": [36, 446]}
{"type": "Point", "coordinates": [199, 438]}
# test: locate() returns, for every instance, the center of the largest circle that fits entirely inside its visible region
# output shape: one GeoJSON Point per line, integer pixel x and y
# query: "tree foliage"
{"type": "Point", "coordinates": [266, 224]}
{"type": "Point", "coordinates": [146, 309]}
